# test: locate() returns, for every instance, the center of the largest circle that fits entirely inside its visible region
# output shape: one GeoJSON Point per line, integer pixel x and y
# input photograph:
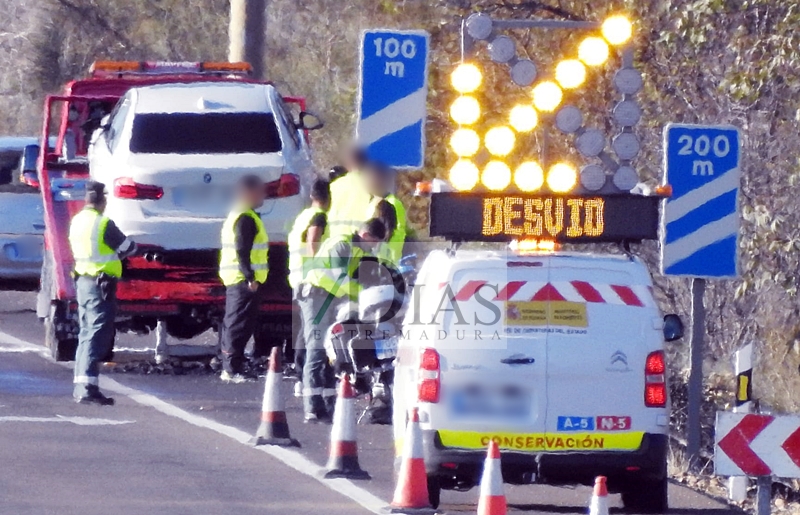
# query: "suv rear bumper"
{"type": "Point", "coordinates": [464, 466]}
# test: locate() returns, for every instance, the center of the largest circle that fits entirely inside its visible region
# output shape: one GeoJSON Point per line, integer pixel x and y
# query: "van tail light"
{"type": "Point", "coordinates": [429, 378]}
{"type": "Point", "coordinates": [287, 186]}
{"type": "Point", "coordinates": [655, 380]}
{"type": "Point", "coordinates": [125, 187]}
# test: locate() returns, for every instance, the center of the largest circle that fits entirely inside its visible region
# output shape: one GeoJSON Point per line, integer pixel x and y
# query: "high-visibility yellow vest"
{"type": "Point", "coordinates": [87, 239]}
{"type": "Point", "coordinates": [297, 247]}
{"type": "Point", "coordinates": [350, 201]}
{"type": "Point", "coordinates": [393, 248]}
{"type": "Point", "coordinates": [228, 259]}
{"type": "Point", "coordinates": [334, 274]}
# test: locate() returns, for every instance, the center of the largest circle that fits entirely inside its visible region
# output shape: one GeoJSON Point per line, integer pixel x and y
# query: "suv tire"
{"type": "Point", "coordinates": [646, 496]}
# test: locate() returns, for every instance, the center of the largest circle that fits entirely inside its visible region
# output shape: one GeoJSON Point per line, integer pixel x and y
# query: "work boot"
{"type": "Point", "coordinates": [95, 397]}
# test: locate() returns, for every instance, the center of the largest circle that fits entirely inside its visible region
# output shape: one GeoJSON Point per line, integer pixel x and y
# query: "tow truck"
{"type": "Point", "coordinates": [186, 294]}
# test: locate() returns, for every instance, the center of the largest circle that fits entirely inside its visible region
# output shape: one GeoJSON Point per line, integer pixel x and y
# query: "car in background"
{"type": "Point", "coordinates": [21, 213]}
{"type": "Point", "coordinates": [171, 154]}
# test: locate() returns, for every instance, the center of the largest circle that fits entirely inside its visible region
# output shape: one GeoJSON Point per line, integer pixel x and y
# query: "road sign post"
{"type": "Point", "coordinates": [700, 227]}
{"type": "Point", "coordinates": [392, 97]}
{"type": "Point", "coordinates": [743, 366]}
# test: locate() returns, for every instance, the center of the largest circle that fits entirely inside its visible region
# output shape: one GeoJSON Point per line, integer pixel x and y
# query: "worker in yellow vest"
{"type": "Point", "coordinates": [243, 268]}
{"type": "Point", "coordinates": [350, 197]}
{"type": "Point", "coordinates": [98, 248]}
{"type": "Point", "coordinates": [304, 242]}
{"type": "Point", "coordinates": [333, 280]}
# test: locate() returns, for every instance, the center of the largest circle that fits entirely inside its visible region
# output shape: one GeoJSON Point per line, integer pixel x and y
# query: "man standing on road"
{"type": "Point", "coordinates": [332, 280]}
{"type": "Point", "coordinates": [304, 241]}
{"type": "Point", "coordinates": [98, 248]}
{"type": "Point", "coordinates": [243, 268]}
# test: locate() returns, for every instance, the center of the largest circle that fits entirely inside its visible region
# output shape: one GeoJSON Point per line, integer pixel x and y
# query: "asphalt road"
{"type": "Point", "coordinates": [175, 443]}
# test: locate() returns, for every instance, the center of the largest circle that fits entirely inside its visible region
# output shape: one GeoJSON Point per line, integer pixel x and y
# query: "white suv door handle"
{"type": "Point", "coordinates": [518, 361]}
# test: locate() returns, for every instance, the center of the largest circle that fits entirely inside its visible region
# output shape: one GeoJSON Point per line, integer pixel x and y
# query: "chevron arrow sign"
{"type": "Point", "coordinates": [757, 445]}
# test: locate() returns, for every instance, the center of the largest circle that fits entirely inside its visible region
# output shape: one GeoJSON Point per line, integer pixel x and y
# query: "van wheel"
{"type": "Point", "coordinates": [646, 496]}
{"type": "Point", "coordinates": [434, 491]}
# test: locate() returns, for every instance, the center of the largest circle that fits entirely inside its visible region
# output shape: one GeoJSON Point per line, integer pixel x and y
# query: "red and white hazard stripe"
{"type": "Point", "coordinates": [572, 291]}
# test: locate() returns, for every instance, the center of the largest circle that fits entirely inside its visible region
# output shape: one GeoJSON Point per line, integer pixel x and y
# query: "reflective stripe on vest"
{"type": "Point", "coordinates": [297, 245]}
{"type": "Point", "coordinates": [87, 240]}
{"type": "Point", "coordinates": [228, 258]}
{"type": "Point", "coordinates": [336, 278]}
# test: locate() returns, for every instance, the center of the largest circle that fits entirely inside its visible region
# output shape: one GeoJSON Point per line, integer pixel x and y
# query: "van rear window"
{"type": "Point", "coordinates": [205, 133]}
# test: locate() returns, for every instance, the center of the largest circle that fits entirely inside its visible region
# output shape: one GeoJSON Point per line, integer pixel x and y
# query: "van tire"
{"type": "Point", "coordinates": [434, 491]}
{"type": "Point", "coordinates": [646, 496]}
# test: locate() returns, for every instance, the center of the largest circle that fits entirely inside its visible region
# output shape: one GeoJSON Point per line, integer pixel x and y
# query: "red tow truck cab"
{"type": "Point", "coordinates": [185, 293]}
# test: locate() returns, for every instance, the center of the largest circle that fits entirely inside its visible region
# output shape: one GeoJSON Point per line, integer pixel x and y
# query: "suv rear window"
{"type": "Point", "coordinates": [207, 133]}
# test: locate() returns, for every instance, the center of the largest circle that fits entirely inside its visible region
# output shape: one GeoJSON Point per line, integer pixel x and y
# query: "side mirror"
{"type": "Point", "coordinates": [673, 328]}
{"type": "Point", "coordinates": [105, 122]}
{"type": "Point", "coordinates": [310, 121]}
{"type": "Point", "coordinates": [29, 157]}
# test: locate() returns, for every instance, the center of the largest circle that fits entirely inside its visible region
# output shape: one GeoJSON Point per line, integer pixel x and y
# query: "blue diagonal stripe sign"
{"type": "Point", "coordinates": [393, 94]}
{"type": "Point", "coordinates": [701, 218]}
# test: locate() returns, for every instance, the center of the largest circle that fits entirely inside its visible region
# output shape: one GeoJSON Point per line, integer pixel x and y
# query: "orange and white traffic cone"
{"type": "Point", "coordinates": [492, 500]}
{"type": "Point", "coordinates": [599, 503]}
{"type": "Point", "coordinates": [411, 493]}
{"type": "Point", "coordinates": [274, 429]}
{"type": "Point", "coordinates": [343, 461]}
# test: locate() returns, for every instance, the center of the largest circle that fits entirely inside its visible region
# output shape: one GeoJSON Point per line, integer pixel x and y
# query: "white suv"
{"type": "Point", "coordinates": [171, 154]}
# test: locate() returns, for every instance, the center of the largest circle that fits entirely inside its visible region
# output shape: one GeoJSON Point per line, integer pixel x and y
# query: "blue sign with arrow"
{"type": "Point", "coordinates": [700, 221]}
{"type": "Point", "coordinates": [393, 95]}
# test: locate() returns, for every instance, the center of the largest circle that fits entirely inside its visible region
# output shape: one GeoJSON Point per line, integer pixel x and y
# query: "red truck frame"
{"type": "Point", "coordinates": [187, 296]}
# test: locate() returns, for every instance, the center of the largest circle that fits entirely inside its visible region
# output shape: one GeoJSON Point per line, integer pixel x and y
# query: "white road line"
{"type": "Point", "coordinates": [78, 421]}
{"type": "Point", "coordinates": [288, 457]}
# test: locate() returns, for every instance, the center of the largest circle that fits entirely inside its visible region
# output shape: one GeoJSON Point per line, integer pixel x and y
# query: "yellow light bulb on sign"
{"type": "Point", "coordinates": [466, 78]}
{"type": "Point", "coordinates": [464, 175]}
{"type": "Point", "coordinates": [547, 96]}
{"type": "Point", "coordinates": [465, 110]}
{"type": "Point", "coordinates": [562, 177]}
{"type": "Point", "coordinates": [529, 176]}
{"type": "Point", "coordinates": [496, 176]}
{"type": "Point", "coordinates": [500, 141]}
{"type": "Point", "coordinates": [570, 73]}
{"type": "Point", "coordinates": [523, 118]}
{"type": "Point", "coordinates": [465, 142]}
{"type": "Point", "coordinates": [617, 29]}
{"type": "Point", "coordinates": [593, 51]}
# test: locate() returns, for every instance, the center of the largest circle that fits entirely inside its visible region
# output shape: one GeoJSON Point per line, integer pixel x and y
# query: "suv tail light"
{"type": "Point", "coordinates": [655, 380]}
{"type": "Point", "coordinates": [429, 380]}
{"type": "Point", "coordinates": [125, 187]}
{"type": "Point", "coordinates": [287, 186]}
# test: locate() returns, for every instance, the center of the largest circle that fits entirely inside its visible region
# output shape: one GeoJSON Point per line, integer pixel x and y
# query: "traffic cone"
{"type": "Point", "coordinates": [599, 503]}
{"type": "Point", "coordinates": [411, 492]}
{"type": "Point", "coordinates": [274, 430]}
{"type": "Point", "coordinates": [343, 461]}
{"type": "Point", "coordinates": [492, 500]}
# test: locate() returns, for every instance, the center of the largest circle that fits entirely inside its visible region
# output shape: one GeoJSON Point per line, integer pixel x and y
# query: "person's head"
{"type": "Point", "coordinates": [335, 172]}
{"type": "Point", "coordinates": [371, 233]}
{"type": "Point", "coordinates": [96, 195]}
{"type": "Point", "coordinates": [355, 158]}
{"type": "Point", "coordinates": [378, 179]}
{"type": "Point", "coordinates": [386, 213]}
{"type": "Point", "coordinates": [250, 191]}
{"type": "Point", "coordinates": [321, 194]}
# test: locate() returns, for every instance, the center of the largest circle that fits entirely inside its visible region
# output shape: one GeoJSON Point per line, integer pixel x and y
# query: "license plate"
{"type": "Point", "coordinates": [202, 196]}
{"type": "Point", "coordinates": [16, 252]}
{"type": "Point", "coordinates": [490, 404]}
{"type": "Point", "coordinates": [386, 349]}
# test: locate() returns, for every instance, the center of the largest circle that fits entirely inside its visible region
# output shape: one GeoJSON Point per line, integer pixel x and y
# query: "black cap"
{"type": "Point", "coordinates": [95, 192]}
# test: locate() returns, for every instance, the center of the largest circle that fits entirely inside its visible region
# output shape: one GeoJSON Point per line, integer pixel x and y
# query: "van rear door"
{"type": "Point", "coordinates": [493, 370]}
{"type": "Point", "coordinates": [604, 326]}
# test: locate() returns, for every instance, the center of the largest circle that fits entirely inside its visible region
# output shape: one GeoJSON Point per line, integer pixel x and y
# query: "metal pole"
{"type": "Point", "coordinates": [247, 34]}
{"type": "Point", "coordinates": [743, 366]}
{"type": "Point", "coordinates": [695, 400]}
{"type": "Point", "coordinates": [764, 495]}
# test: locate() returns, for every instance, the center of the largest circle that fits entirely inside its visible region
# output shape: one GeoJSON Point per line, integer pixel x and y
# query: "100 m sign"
{"type": "Point", "coordinates": [543, 217]}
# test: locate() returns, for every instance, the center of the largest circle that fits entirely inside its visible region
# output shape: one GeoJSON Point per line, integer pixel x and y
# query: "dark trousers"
{"type": "Point", "coordinates": [96, 313]}
{"type": "Point", "coordinates": [241, 317]}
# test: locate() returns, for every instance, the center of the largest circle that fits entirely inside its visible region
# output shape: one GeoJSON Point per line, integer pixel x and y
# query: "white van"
{"type": "Point", "coordinates": [557, 357]}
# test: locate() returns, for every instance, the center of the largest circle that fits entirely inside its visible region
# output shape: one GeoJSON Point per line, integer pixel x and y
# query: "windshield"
{"type": "Point", "coordinates": [208, 133]}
